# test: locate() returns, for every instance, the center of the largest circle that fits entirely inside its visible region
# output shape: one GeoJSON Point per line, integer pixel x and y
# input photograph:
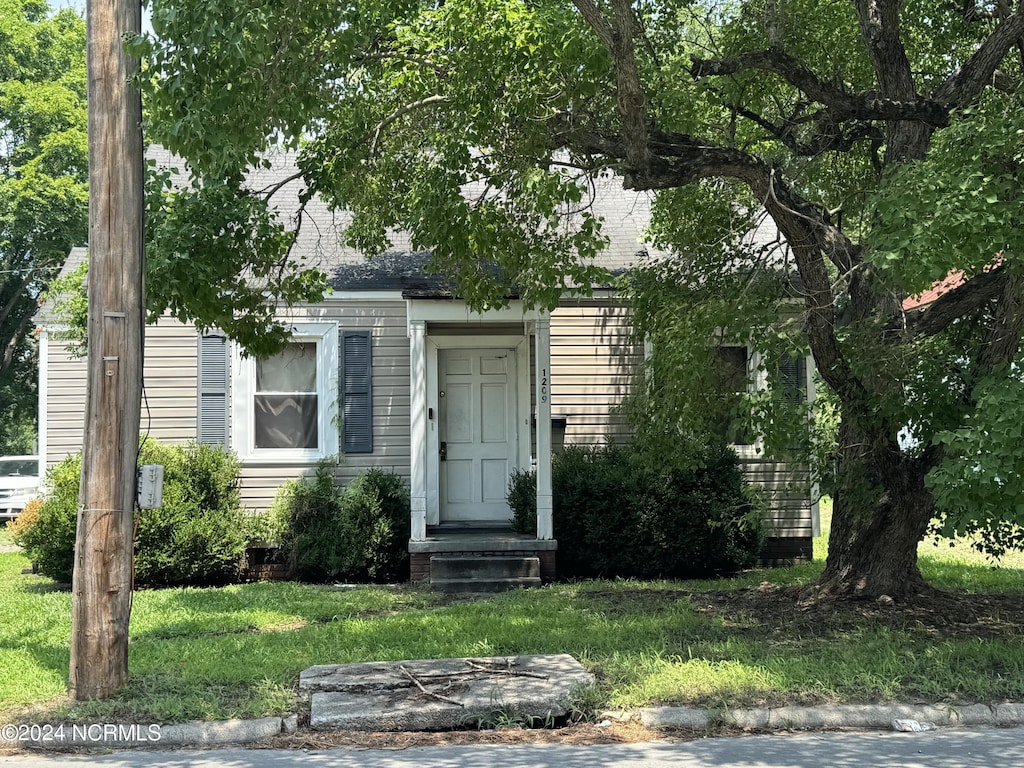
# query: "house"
{"type": "Point", "coordinates": [392, 371]}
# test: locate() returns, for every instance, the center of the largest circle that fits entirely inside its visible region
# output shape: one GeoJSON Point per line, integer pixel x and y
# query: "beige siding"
{"type": "Point", "coordinates": [65, 402]}
{"type": "Point", "coordinates": [169, 407]}
{"type": "Point", "coordinates": [593, 358]}
{"type": "Point", "coordinates": [786, 490]}
{"type": "Point", "coordinates": [169, 412]}
{"type": "Point", "coordinates": [171, 370]}
{"type": "Point", "coordinates": [390, 364]}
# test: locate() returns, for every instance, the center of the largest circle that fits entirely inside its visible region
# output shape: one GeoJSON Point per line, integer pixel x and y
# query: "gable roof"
{"type": "Point", "coordinates": [625, 216]}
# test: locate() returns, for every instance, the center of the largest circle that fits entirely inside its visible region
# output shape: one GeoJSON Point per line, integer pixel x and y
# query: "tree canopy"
{"type": "Point", "coordinates": [43, 199]}
{"type": "Point", "coordinates": [882, 139]}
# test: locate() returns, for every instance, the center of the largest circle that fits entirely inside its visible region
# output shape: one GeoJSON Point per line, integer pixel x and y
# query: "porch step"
{"type": "Point", "coordinates": [456, 573]}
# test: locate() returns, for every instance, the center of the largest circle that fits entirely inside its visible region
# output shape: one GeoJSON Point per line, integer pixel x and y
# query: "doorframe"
{"type": "Point", "coordinates": [520, 346]}
{"type": "Point", "coordinates": [423, 440]}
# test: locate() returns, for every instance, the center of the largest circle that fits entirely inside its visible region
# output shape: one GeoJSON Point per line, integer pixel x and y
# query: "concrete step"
{"type": "Point", "coordinates": [455, 573]}
{"type": "Point", "coordinates": [485, 566]}
{"type": "Point", "coordinates": [481, 585]}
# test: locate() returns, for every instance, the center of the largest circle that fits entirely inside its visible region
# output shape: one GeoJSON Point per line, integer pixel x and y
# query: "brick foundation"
{"type": "Point", "coordinates": [780, 551]}
{"type": "Point", "coordinates": [419, 562]}
{"type": "Point", "coordinates": [547, 565]}
{"type": "Point", "coordinates": [264, 564]}
{"type": "Point", "coordinates": [419, 567]}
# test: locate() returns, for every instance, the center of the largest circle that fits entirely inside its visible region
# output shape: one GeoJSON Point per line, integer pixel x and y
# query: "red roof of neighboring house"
{"type": "Point", "coordinates": [954, 279]}
{"type": "Point", "coordinates": [947, 284]}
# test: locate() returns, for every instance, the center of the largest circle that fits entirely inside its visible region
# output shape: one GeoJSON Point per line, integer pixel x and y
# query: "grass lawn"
{"type": "Point", "coordinates": [237, 651]}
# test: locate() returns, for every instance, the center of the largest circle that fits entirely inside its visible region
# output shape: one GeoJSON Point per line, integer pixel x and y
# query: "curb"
{"type": "Point", "coordinates": [133, 736]}
{"type": "Point", "coordinates": [826, 717]}
{"type": "Point", "coordinates": [199, 734]}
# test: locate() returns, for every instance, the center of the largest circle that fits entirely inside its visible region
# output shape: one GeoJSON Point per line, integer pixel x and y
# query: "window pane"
{"type": "Point", "coordinates": [291, 370]}
{"type": "Point", "coordinates": [286, 421]}
{"type": "Point", "coordinates": [732, 379]}
{"type": "Point", "coordinates": [732, 362]}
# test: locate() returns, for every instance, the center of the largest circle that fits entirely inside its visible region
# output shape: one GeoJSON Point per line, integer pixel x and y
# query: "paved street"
{"type": "Point", "coordinates": [944, 748]}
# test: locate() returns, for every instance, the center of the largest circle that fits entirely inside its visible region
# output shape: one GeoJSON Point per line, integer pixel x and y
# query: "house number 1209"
{"type": "Point", "coordinates": [543, 385]}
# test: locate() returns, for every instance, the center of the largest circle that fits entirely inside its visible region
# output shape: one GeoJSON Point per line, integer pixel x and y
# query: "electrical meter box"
{"type": "Point", "coordinates": [150, 486]}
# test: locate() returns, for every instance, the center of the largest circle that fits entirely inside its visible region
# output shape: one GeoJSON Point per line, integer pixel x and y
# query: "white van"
{"type": "Point", "coordinates": [19, 482]}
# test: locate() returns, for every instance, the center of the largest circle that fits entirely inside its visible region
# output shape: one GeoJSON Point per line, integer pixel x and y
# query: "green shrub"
{"type": "Point", "coordinates": [357, 533]}
{"type": "Point", "coordinates": [50, 542]}
{"type": "Point", "coordinates": [616, 516]}
{"type": "Point", "coordinates": [197, 537]}
{"type": "Point", "coordinates": [199, 534]}
{"type": "Point", "coordinates": [522, 499]}
{"type": "Point", "coordinates": [378, 525]}
{"type": "Point", "coordinates": [308, 511]}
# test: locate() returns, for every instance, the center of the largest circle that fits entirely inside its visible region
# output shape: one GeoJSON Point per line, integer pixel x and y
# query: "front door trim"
{"type": "Point", "coordinates": [521, 347]}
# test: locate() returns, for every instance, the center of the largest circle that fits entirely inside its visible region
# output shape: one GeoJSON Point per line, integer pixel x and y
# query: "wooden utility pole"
{"type": "Point", "coordinates": [102, 583]}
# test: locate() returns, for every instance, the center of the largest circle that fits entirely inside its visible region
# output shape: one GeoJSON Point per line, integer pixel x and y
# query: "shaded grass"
{"type": "Point", "coordinates": [237, 651]}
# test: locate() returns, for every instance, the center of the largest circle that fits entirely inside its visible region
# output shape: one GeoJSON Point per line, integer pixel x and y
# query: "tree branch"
{"type": "Point", "coordinates": [821, 142]}
{"type": "Point", "coordinates": [15, 296]}
{"type": "Point", "coordinates": [422, 61]}
{"type": "Point", "coordinates": [841, 105]}
{"type": "Point", "coordinates": [962, 86]}
{"type": "Point", "coordinates": [1004, 340]}
{"type": "Point", "coordinates": [618, 37]}
{"type": "Point", "coordinates": [678, 159]}
{"type": "Point", "coordinates": [966, 298]}
{"type": "Point", "coordinates": [593, 16]}
{"type": "Point", "coordinates": [401, 112]}
{"type": "Point", "coordinates": [12, 343]}
{"type": "Point", "coordinates": [787, 67]}
{"type": "Point", "coordinates": [271, 190]}
{"type": "Point", "coordinates": [629, 90]}
{"type": "Point", "coordinates": [880, 30]}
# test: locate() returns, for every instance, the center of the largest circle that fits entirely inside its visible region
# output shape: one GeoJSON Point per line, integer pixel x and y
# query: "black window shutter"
{"type": "Point", "coordinates": [357, 394]}
{"type": "Point", "coordinates": [792, 377]}
{"type": "Point", "coordinates": [212, 409]}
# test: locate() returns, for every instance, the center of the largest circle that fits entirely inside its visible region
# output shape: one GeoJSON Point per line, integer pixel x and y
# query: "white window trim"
{"type": "Point", "coordinates": [243, 386]}
{"type": "Point", "coordinates": [757, 381]}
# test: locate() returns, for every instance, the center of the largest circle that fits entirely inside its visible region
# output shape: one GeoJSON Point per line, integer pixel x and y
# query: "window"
{"type": "Point", "coordinates": [284, 408]}
{"type": "Point", "coordinates": [733, 383]}
{"type": "Point", "coordinates": [286, 402]}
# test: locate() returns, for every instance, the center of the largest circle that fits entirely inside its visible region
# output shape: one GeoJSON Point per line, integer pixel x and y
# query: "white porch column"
{"type": "Point", "coordinates": [545, 529]}
{"type": "Point", "coordinates": [418, 428]}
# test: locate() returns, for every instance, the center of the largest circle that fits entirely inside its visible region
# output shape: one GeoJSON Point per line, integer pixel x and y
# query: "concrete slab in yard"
{"type": "Point", "coordinates": [435, 694]}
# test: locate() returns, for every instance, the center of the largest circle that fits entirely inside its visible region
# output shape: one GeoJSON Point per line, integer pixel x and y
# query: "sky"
{"type": "Point", "coordinates": [79, 7]}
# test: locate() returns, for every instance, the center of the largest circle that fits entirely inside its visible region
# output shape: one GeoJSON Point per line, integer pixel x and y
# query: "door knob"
{"type": "Point", "coordinates": [443, 452]}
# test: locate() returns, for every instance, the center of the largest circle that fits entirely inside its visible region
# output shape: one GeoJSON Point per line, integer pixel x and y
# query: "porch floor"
{"type": "Point", "coordinates": [459, 537]}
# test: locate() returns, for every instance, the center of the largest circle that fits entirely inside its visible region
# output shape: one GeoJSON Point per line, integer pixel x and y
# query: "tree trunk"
{"type": "Point", "coordinates": [102, 582]}
{"type": "Point", "coordinates": [881, 510]}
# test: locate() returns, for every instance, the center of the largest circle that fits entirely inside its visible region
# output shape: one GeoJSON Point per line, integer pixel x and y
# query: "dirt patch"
{"type": "Point", "coordinates": [625, 732]}
{"type": "Point", "coordinates": [787, 611]}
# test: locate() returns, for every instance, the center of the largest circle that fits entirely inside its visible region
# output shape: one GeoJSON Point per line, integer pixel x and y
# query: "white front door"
{"type": "Point", "coordinates": [477, 410]}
